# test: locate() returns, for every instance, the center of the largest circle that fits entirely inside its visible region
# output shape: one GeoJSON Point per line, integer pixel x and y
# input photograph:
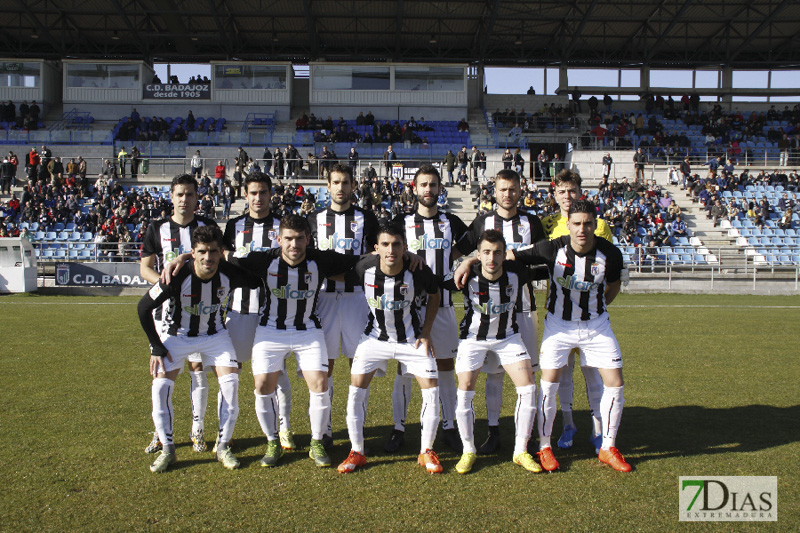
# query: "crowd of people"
{"type": "Point", "coordinates": [408, 132]}
{"type": "Point", "coordinates": [25, 117]}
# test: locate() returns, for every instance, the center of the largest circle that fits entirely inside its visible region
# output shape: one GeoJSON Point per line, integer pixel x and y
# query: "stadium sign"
{"type": "Point", "coordinates": [177, 91]}
{"type": "Point", "coordinates": [100, 275]}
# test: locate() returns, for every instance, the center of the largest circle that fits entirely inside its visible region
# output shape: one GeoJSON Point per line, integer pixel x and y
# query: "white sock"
{"type": "Point", "coordinates": [611, 412]}
{"type": "Point", "coordinates": [594, 391]}
{"type": "Point", "coordinates": [447, 397]}
{"type": "Point", "coordinates": [162, 409]}
{"type": "Point", "coordinates": [284, 396]}
{"type": "Point", "coordinates": [494, 397]}
{"type": "Point", "coordinates": [465, 416]}
{"type": "Point", "coordinates": [199, 396]}
{"type": "Point", "coordinates": [356, 415]}
{"type": "Point", "coordinates": [566, 394]}
{"type": "Point", "coordinates": [429, 418]}
{"type": "Point", "coordinates": [229, 408]}
{"type": "Point", "coordinates": [319, 410]}
{"type": "Point", "coordinates": [266, 412]}
{"type": "Point", "coordinates": [329, 429]}
{"type": "Point", "coordinates": [547, 411]}
{"type": "Point", "coordinates": [524, 415]}
{"type": "Point", "coordinates": [401, 397]}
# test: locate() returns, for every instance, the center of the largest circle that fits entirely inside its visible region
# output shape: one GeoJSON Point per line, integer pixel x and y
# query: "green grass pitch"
{"type": "Point", "coordinates": [712, 388]}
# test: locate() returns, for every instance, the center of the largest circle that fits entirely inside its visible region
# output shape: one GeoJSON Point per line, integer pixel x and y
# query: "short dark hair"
{"type": "Point", "coordinates": [183, 179]}
{"type": "Point", "coordinates": [567, 176]}
{"type": "Point", "coordinates": [493, 236]}
{"type": "Point", "coordinates": [582, 206]}
{"type": "Point", "coordinates": [508, 174]}
{"type": "Point", "coordinates": [429, 170]}
{"type": "Point", "coordinates": [390, 228]}
{"type": "Point", "coordinates": [207, 235]}
{"type": "Point", "coordinates": [294, 223]}
{"type": "Point", "coordinates": [257, 177]}
{"type": "Point", "coordinates": [341, 169]}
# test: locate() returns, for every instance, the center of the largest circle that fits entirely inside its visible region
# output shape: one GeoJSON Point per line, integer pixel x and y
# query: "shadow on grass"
{"type": "Point", "coordinates": [688, 430]}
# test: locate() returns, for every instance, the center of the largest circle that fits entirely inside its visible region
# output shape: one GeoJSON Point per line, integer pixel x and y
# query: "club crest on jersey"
{"type": "Point", "coordinates": [509, 290]}
{"type": "Point", "coordinates": [221, 293]}
{"type": "Point", "coordinates": [595, 269]}
{"type": "Point", "coordinates": [272, 234]}
{"type": "Point", "coordinates": [523, 229]}
{"type": "Point", "coordinates": [354, 227]}
{"type": "Point", "coordinates": [308, 277]}
{"type": "Point", "coordinates": [404, 289]}
{"type": "Point", "coordinates": [442, 226]}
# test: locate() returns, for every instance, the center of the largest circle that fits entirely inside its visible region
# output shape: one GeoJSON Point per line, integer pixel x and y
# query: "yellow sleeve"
{"type": "Point", "coordinates": [603, 230]}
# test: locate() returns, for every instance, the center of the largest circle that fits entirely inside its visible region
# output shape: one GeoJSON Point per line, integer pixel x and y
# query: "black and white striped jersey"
{"type": "Point", "coordinates": [577, 282]}
{"type": "Point", "coordinates": [490, 305]}
{"type": "Point", "coordinates": [351, 232]}
{"type": "Point", "coordinates": [245, 234]}
{"type": "Point", "coordinates": [193, 307]}
{"type": "Point", "coordinates": [393, 312]}
{"type": "Point", "coordinates": [523, 229]}
{"type": "Point", "coordinates": [290, 300]}
{"type": "Point", "coordinates": [166, 239]}
{"type": "Point", "coordinates": [433, 240]}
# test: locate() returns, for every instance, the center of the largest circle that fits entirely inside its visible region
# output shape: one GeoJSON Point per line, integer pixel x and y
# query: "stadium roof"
{"type": "Point", "coordinates": [678, 33]}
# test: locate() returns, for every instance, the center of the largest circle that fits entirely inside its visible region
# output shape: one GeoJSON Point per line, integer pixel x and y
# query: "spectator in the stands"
{"type": "Point", "coordinates": [679, 228]}
{"type": "Point", "coordinates": [449, 164]}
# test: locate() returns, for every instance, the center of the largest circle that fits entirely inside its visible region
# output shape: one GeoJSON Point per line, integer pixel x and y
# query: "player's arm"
{"type": "Point", "coordinates": [459, 229]}
{"type": "Point", "coordinates": [334, 265]}
{"type": "Point", "coordinates": [241, 278]}
{"type": "Point", "coordinates": [612, 290]}
{"type": "Point", "coordinates": [614, 273]}
{"type": "Point", "coordinates": [172, 268]}
{"type": "Point", "coordinates": [147, 268]}
{"type": "Point", "coordinates": [534, 254]}
{"type": "Point", "coordinates": [431, 286]}
{"type": "Point", "coordinates": [157, 295]}
{"type": "Point", "coordinates": [469, 241]}
{"type": "Point", "coordinates": [462, 273]}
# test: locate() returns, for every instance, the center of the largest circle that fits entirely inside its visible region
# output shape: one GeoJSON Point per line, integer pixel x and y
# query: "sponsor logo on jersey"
{"type": "Point", "coordinates": [286, 292]}
{"type": "Point", "coordinates": [188, 295]}
{"type": "Point", "coordinates": [175, 252]}
{"type": "Point", "coordinates": [490, 308]}
{"type": "Point", "coordinates": [202, 309]}
{"type": "Point", "coordinates": [339, 242]}
{"type": "Point", "coordinates": [571, 283]}
{"type": "Point", "coordinates": [429, 242]}
{"type": "Point", "coordinates": [252, 246]}
{"type": "Point", "coordinates": [387, 305]}
{"type": "Point", "coordinates": [515, 245]}
{"type": "Point", "coordinates": [567, 265]}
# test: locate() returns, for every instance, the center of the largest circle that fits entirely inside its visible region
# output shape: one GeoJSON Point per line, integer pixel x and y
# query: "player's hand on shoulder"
{"type": "Point", "coordinates": [414, 261]}
{"type": "Point", "coordinates": [461, 275]}
{"type": "Point", "coordinates": [173, 267]}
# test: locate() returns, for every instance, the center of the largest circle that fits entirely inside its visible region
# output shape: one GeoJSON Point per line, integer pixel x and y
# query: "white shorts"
{"type": "Point", "coordinates": [211, 350]}
{"type": "Point", "coordinates": [444, 333]}
{"type": "Point", "coordinates": [528, 324]}
{"type": "Point", "coordinates": [242, 329]}
{"type": "Point", "coordinates": [598, 345]}
{"type": "Point", "coordinates": [343, 316]}
{"type": "Point", "coordinates": [472, 353]}
{"type": "Point", "coordinates": [373, 354]}
{"type": "Point", "coordinates": [272, 346]}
